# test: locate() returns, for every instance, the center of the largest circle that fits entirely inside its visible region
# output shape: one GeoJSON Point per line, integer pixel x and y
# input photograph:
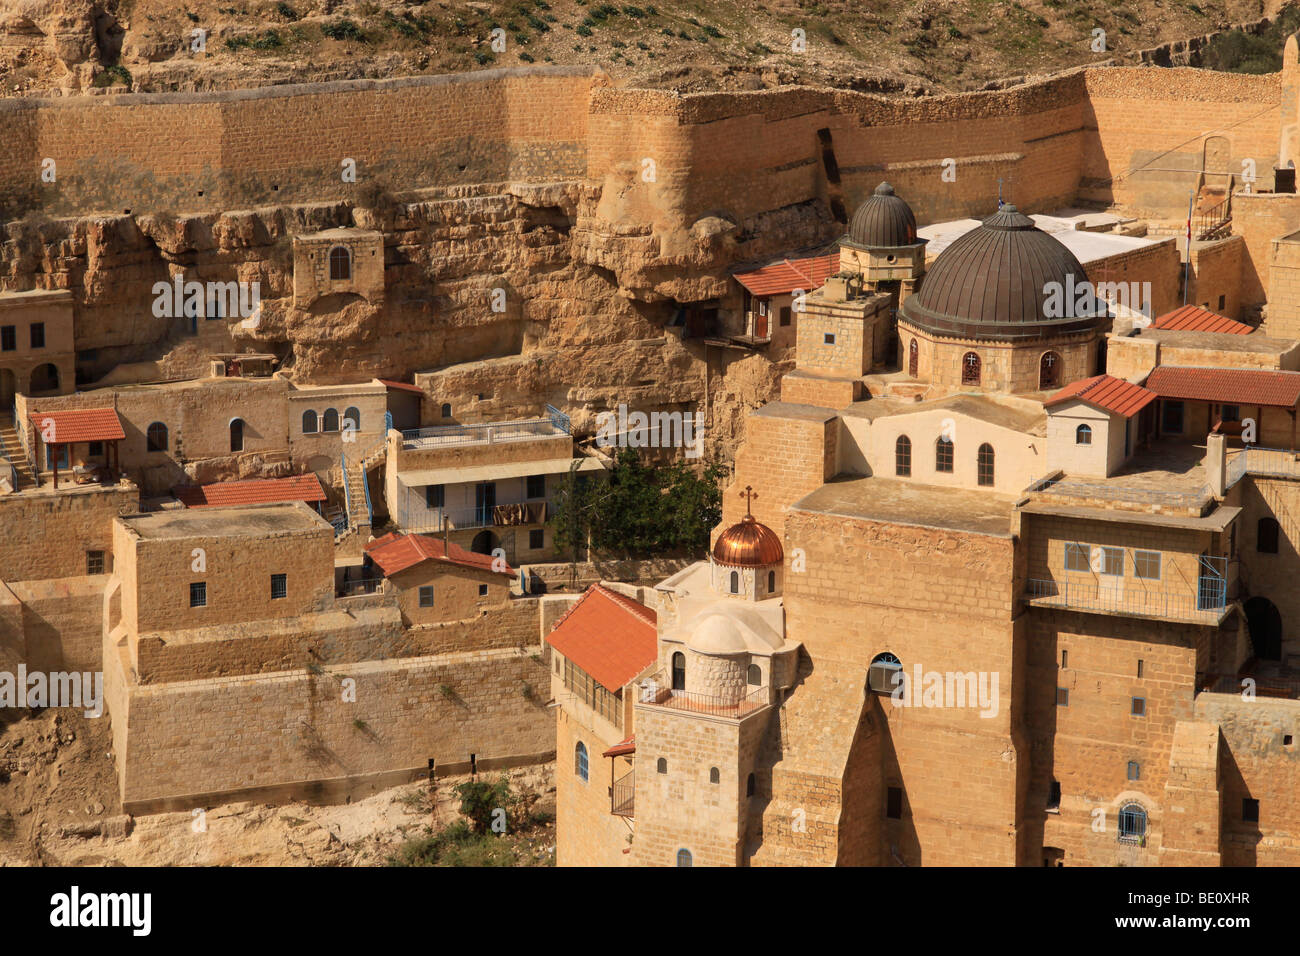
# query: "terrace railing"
{"type": "Point", "coordinates": [1118, 492]}
{"type": "Point", "coordinates": [1206, 604]}
{"type": "Point", "coordinates": [622, 795]}
{"type": "Point", "coordinates": [443, 436]}
{"type": "Point", "coordinates": [1279, 462]}
{"type": "Point", "coordinates": [654, 691]}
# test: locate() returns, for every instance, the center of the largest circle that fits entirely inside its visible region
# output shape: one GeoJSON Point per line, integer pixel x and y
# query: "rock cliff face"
{"type": "Point", "coordinates": [589, 294]}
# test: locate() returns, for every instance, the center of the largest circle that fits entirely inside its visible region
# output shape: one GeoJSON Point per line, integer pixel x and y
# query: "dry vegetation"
{"type": "Point", "coordinates": [906, 45]}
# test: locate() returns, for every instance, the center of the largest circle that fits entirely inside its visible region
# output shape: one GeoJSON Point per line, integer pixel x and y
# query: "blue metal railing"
{"type": "Point", "coordinates": [560, 420]}
{"type": "Point", "coordinates": [347, 495]}
{"type": "Point", "coordinates": [365, 484]}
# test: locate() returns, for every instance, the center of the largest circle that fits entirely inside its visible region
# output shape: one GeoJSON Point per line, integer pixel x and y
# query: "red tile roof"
{"type": "Point", "coordinates": [611, 637]}
{"type": "Point", "coordinates": [622, 749]}
{"type": "Point", "coordinates": [79, 424]}
{"type": "Point", "coordinates": [394, 553]}
{"type": "Point", "coordinates": [405, 386]}
{"type": "Point", "coordinates": [1107, 393]}
{"type": "Point", "coordinates": [784, 277]}
{"type": "Point", "coordinates": [1236, 386]}
{"type": "Point", "coordinates": [251, 491]}
{"type": "Point", "coordinates": [1192, 318]}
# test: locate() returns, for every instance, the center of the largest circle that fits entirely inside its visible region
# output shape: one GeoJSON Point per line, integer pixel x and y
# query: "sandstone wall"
{"type": "Point", "coordinates": [48, 535]}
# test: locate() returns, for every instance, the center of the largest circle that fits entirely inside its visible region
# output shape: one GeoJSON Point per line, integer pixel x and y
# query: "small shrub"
{"type": "Point", "coordinates": [286, 11]}
{"type": "Point", "coordinates": [483, 58]}
{"type": "Point", "coordinates": [344, 29]}
{"type": "Point", "coordinates": [526, 57]}
{"type": "Point", "coordinates": [584, 30]}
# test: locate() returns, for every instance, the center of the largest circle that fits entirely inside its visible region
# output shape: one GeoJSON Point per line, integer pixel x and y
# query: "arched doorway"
{"type": "Point", "coordinates": [485, 542]}
{"type": "Point", "coordinates": [1265, 625]}
{"type": "Point", "coordinates": [45, 378]}
{"type": "Point", "coordinates": [237, 435]}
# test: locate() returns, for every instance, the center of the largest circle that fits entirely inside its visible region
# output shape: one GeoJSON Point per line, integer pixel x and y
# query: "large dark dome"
{"type": "Point", "coordinates": [884, 220]}
{"type": "Point", "coordinates": [994, 282]}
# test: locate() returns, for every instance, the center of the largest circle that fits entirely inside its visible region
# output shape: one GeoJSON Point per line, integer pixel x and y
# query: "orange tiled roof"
{"type": "Point", "coordinates": [783, 277]}
{"type": "Point", "coordinates": [79, 424]}
{"type": "Point", "coordinates": [1107, 393]}
{"type": "Point", "coordinates": [1236, 386]}
{"type": "Point", "coordinates": [405, 386]}
{"type": "Point", "coordinates": [611, 637]}
{"type": "Point", "coordinates": [622, 749]}
{"type": "Point", "coordinates": [1192, 318]}
{"type": "Point", "coordinates": [251, 491]}
{"type": "Point", "coordinates": [394, 553]}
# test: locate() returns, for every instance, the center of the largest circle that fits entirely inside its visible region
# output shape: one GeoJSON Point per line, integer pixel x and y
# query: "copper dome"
{"type": "Point", "coordinates": [748, 544]}
{"type": "Point", "coordinates": [883, 221]}
{"type": "Point", "coordinates": [994, 282]}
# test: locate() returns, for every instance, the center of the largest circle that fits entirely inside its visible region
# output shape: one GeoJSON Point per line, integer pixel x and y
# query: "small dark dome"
{"type": "Point", "coordinates": [884, 220]}
{"type": "Point", "coordinates": [748, 544]}
{"type": "Point", "coordinates": [994, 283]}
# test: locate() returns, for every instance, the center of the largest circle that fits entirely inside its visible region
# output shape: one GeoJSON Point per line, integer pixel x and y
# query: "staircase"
{"type": "Point", "coordinates": [11, 448]}
{"type": "Point", "coordinates": [1213, 213]}
{"type": "Point", "coordinates": [356, 491]}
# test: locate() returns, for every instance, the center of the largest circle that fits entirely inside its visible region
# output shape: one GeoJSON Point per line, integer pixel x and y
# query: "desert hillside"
{"type": "Point", "coordinates": [884, 45]}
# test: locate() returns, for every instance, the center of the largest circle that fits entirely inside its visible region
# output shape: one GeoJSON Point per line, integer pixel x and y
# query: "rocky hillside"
{"type": "Point", "coordinates": [901, 45]}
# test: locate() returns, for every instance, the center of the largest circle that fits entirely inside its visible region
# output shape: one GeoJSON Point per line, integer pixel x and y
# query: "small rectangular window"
{"type": "Point", "coordinates": [828, 338]}
{"type": "Point", "coordinates": [8, 338]}
{"type": "Point", "coordinates": [536, 486]}
{"type": "Point", "coordinates": [1065, 658]}
{"type": "Point", "coordinates": [1112, 562]}
{"type": "Point", "coordinates": [1138, 707]}
{"type": "Point", "coordinates": [433, 496]}
{"type": "Point", "coordinates": [1054, 795]}
{"type": "Point", "coordinates": [426, 596]}
{"type": "Point", "coordinates": [536, 539]}
{"type": "Point", "coordinates": [1076, 557]}
{"type": "Point", "coordinates": [1134, 770]}
{"type": "Point", "coordinates": [94, 562]}
{"type": "Point", "coordinates": [1146, 565]}
{"type": "Point", "coordinates": [894, 803]}
{"type": "Point", "coordinates": [785, 315]}
{"type": "Point", "coordinates": [1062, 697]}
{"type": "Point", "coordinates": [38, 335]}
{"type": "Point", "coordinates": [1139, 668]}
{"type": "Point", "coordinates": [198, 594]}
{"type": "Point", "coordinates": [1223, 299]}
{"type": "Point", "coordinates": [1249, 810]}
{"type": "Point", "coordinates": [482, 590]}
{"type": "Point", "coordinates": [279, 586]}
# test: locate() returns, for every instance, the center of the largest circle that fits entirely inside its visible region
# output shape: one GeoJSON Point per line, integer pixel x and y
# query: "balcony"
{"type": "Point", "coordinates": [1209, 605]}
{"type": "Point", "coordinates": [655, 693]}
{"type": "Point", "coordinates": [448, 436]}
{"type": "Point", "coordinates": [622, 794]}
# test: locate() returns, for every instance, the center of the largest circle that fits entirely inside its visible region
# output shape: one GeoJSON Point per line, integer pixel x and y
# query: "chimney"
{"type": "Point", "coordinates": [1216, 461]}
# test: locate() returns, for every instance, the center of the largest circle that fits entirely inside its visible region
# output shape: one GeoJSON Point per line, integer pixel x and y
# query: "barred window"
{"type": "Point", "coordinates": [1132, 824]}
{"type": "Point", "coordinates": [903, 457]}
{"type": "Point", "coordinates": [943, 455]}
{"type": "Point", "coordinates": [984, 465]}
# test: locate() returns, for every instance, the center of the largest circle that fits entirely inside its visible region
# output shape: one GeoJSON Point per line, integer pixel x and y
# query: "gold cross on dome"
{"type": "Point", "coordinates": [749, 494]}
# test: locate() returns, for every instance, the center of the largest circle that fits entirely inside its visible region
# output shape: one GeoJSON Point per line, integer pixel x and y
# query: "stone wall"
{"type": "Point", "coordinates": [47, 534]}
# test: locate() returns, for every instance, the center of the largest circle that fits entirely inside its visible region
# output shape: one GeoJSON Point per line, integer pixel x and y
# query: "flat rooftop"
{"type": "Point", "coordinates": [1070, 226]}
{"type": "Point", "coordinates": [1023, 416]}
{"type": "Point", "coordinates": [910, 503]}
{"type": "Point", "coordinates": [1216, 341]}
{"type": "Point", "coordinates": [244, 521]}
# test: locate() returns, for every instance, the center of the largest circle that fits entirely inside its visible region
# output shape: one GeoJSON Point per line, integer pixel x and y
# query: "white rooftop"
{"type": "Point", "coordinates": [1067, 225]}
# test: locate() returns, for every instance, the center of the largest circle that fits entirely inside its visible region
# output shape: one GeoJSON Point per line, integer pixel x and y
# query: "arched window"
{"type": "Point", "coordinates": [943, 455]}
{"type": "Point", "coordinates": [679, 671]}
{"type": "Point", "coordinates": [754, 676]}
{"type": "Point", "coordinates": [340, 263]}
{"type": "Point", "coordinates": [970, 369]}
{"type": "Point", "coordinates": [984, 465]}
{"type": "Point", "coordinates": [771, 582]}
{"type": "Point", "coordinates": [237, 435]}
{"type": "Point", "coordinates": [352, 418]}
{"type": "Point", "coordinates": [683, 857]}
{"type": "Point", "coordinates": [580, 760]}
{"type": "Point", "coordinates": [661, 765]}
{"type": "Point", "coordinates": [446, 410]}
{"type": "Point", "coordinates": [735, 582]}
{"type": "Point", "coordinates": [329, 422]}
{"type": "Point", "coordinates": [749, 785]}
{"type": "Point", "coordinates": [308, 422]}
{"type": "Point", "coordinates": [156, 437]}
{"type": "Point", "coordinates": [1266, 535]}
{"type": "Point", "coordinates": [880, 676]}
{"type": "Point", "coordinates": [903, 457]}
{"type": "Point", "coordinates": [1049, 370]}
{"type": "Point", "coordinates": [1132, 824]}
{"type": "Point", "coordinates": [913, 357]}
{"type": "Point", "coordinates": [1083, 435]}
{"type": "Point", "coordinates": [714, 775]}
